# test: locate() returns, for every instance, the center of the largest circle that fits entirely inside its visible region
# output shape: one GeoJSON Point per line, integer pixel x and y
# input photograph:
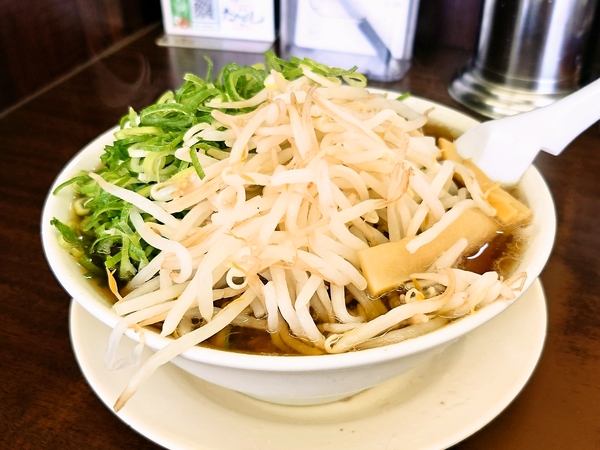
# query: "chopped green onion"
{"type": "Point", "coordinates": [196, 163]}
{"type": "Point", "coordinates": [128, 132]}
{"type": "Point", "coordinates": [143, 154]}
{"type": "Point", "coordinates": [355, 79]}
{"type": "Point", "coordinates": [68, 234]}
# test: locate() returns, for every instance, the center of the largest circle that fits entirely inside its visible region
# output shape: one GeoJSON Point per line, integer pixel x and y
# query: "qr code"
{"type": "Point", "coordinates": [205, 10]}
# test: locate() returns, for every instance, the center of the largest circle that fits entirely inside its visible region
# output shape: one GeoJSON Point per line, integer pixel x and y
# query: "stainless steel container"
{"type": "Point", "coordinates": [530, 53]}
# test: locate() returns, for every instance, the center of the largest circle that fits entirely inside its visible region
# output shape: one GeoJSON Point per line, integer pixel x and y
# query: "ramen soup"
{"type": "Point", "coordinates": [501, 254]}
{"type": "Point", "coordinates": [289, 210]}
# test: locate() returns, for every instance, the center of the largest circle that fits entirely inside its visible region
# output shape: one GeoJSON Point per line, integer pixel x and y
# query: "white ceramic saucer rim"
{"type": "Point", "coordinates": [472, 405]}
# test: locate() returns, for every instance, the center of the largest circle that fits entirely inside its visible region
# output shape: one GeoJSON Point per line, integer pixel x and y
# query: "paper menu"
{"type": "Point", "coordinates": [252, 20]}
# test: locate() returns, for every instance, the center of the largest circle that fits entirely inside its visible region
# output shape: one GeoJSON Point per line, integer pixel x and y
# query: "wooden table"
{"type": "Point", "coordinates": [45, 401]}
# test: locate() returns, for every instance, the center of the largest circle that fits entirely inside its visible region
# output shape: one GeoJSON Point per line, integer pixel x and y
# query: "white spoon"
{"type": "Point", "coordinates": [504, 148]}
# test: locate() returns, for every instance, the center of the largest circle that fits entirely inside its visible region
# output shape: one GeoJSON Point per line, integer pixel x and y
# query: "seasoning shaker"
{"type": "Point", "coordinates": [529, 54]}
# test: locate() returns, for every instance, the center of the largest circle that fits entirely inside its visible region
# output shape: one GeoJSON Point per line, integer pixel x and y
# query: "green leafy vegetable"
{"type": "Point", "coordinates": [142, 156]}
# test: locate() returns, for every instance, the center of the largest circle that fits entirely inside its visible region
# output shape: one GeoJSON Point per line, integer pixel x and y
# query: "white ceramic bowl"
{"type": "Point", "coordinates": [301, 380]}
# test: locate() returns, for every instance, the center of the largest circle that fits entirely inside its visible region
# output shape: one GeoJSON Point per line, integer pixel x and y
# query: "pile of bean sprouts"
{"type": "Point", "coordinates": [317, 171]}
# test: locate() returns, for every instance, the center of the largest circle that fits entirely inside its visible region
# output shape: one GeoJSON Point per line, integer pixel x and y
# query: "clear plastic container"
{"type": "Point", "coordinates": [375, 35]}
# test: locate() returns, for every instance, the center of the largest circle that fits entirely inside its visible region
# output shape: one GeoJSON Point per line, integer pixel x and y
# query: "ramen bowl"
{"type": "Point", "coordinates": [303, 380]}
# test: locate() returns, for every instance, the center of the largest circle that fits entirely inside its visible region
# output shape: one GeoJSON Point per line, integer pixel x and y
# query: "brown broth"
{"type": "Point", "coordinates": [438, 130]}
{"type": "Point", "coordinates": [501, 255]}
{"type": "Point", "coordinates": [246, 340]}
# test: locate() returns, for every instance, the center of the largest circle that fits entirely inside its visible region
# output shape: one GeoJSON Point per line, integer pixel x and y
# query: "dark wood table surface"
{"type": "Point", "coordinates": [46, 403]}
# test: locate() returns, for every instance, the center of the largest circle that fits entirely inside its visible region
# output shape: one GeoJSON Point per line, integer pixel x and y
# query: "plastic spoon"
{"type": "Point", "coordinates": [504, 148]}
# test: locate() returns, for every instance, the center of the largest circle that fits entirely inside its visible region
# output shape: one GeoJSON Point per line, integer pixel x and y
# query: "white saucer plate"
{"type": "Point", "coordinates": [433, 406]}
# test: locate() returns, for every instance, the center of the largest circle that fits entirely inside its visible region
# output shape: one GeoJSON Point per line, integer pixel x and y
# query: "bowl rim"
{"type": "Point", "coordinates": [79, 288]}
